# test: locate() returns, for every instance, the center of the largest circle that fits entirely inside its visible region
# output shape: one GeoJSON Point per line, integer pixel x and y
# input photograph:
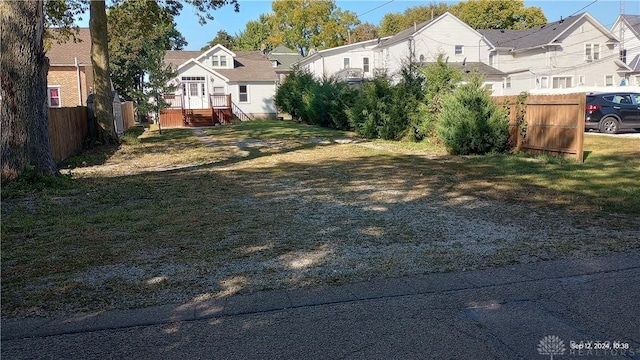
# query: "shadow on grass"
{"type": "Point", "coordinates": [322, 220]}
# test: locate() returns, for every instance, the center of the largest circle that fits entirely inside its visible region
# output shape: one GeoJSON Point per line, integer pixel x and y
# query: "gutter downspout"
{"type": "Point", "coordinates": [79, 82]}
{"type": "Point", "coordinates": [322, 57]}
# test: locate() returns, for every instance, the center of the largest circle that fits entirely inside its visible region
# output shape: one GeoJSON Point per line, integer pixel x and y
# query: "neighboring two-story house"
{"type": "Point", "coordinates": [423, 43]}
{"type": "Point", "coordinates": [218, 78]}
{"type": "Point", "coordinates": [627, 29]}
{"type": "Point", "coordinates": [577, 52]}
{"type": "Point", "coordinates": [70, 76]}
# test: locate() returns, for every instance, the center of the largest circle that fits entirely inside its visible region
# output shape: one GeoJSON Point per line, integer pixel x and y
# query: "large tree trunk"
{"type": "Point", "coordinates": [23, 91]}
{"type": "Point", "coordinates": [102, 98]}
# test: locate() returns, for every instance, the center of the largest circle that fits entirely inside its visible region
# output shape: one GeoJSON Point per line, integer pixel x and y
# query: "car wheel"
{"type": "Point", "coordinates": [609, 126]}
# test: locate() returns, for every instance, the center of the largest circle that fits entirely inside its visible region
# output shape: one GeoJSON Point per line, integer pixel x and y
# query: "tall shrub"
{"type": "Point", "coordinates": [470, 122]}
{"type": "Point", "coordinates": [370, 109]}
{"type": "Point", "coordinates": [325, 103]}
{"type": "Point", "coordinates": [290, 95]}
{"type": "Point", "coordinates": [440, 79]}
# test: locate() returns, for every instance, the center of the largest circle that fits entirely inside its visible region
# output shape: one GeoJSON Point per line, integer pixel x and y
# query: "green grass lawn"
{"type": "Point", "coordinates": [274, 204]}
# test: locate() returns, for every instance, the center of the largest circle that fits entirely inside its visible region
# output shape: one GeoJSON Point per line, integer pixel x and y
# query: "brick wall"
{"type": "Point", "coordinates": [67, 78]}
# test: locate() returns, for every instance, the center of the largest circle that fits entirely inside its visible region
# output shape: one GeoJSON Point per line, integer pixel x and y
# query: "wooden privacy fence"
{"type": "Point", "coordinates": [128, 115]}
{"type": "Point", "coordinates": [68, 129]}
{"type": "Point", "coordinates": [552, 124]}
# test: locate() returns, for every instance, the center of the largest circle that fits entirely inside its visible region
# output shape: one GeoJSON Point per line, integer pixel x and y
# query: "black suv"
{"type": "Point", "coordinates": [610, 112]}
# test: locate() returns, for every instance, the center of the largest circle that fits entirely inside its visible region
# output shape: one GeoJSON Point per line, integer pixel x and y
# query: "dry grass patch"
{"type": "Point", "coordinates": [181, 217]}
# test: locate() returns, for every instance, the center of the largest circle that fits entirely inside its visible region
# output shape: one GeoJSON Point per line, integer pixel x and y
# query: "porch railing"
{"type": "Point", "coordinates": [350, 74]}
{"type": "Point", "coordinates": [220, 100]}
{"type": "Point", "coordinates": [175, 101]}
{"type": "Point", "coordinates": [239, 113]}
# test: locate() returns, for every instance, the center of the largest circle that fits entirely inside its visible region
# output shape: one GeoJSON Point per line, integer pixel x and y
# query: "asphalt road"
{"type": "Point", "coordinates": [566, 309]}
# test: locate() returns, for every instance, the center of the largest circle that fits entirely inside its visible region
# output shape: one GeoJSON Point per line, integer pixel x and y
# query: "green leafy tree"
{"type": "Point", "coordinates": [138, 43]}
{"type": "Point", "coordinates": [222, 38]}
{"type": "Point", "coordinates": [151, 96]}
{"type": "Point", "coordinates": [498, 14]}
{"type": "Point", "coordinates": [393, 23]}
{"type": "Point", "coordinates": [254, 36]}
{"type": "Point", "coordinates": [307, 24]}
{"type": "Point", "coordinates": [364, 32]}
{"type": "Point", "coordinates": [471, 123]}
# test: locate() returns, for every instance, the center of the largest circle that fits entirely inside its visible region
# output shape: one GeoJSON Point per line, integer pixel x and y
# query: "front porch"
{"type": "Point", "coordinates": [221, 110]}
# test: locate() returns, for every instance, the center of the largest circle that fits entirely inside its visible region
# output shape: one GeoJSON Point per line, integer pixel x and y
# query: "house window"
{"type": "Point", "coordinates": [459, 49]}
{"type": "Point", "coordinates": [490, 59]}
{"type": "Point", "coordinates": [214, 60]}
{"type": "Point", "coordinates": [218, 90]}
{"type": "Point", "coordinates": [623, 55]}
{"type": "Point", "coordinates": [53, 97]}
{"type": "Point", "coordinates": [562, 82]}
{"type": "Point", "coordinates": [608, 80]}
{"type": "Point", "coordinates": [507, 83]}
{"type": "Point", "coordinates": [581, 80]}
{"type": "Point", "coordinates": [592, 52]}
{"type": "Point", "coordinates": [544, 82]}
{"type": "Point", "coordinates": [244, 96]}
{"type": "Point", "coordinates": [365, 64]}
{"type": "Point", "coordinates": [223, 61]}
{"type": "Point", "coordinates": [637, 78]}
{"type": "Point", "coordinates": [345, 63]}
{"type": "Point", "coordinates": [193, 89]}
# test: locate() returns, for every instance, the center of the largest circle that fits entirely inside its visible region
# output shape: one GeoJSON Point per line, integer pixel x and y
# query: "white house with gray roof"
{"type": "Point", "coordinates": [445, 35]}
{"type": "Point", "coordinates": [627, 29]}
{"type": "Point", "coordinates": [575, 53]}
{"type": "Point", "coordinates": [208, 79]}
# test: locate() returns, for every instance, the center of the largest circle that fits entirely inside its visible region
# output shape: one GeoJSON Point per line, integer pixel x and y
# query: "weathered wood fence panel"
{"type": "Point", "coordinates": [128, 116]}
{"type": "Point", "coordinates": [68, 129]}
{"type": "Point", "coordinates": [553, 124]}
{"type": "Point", "coordinates": [171, 118]}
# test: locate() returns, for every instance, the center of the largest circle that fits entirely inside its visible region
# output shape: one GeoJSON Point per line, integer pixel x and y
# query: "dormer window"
{"type": "Point", "coordinates": [223, 61]}
{"type": "Point", "coordinates": [214, 60]}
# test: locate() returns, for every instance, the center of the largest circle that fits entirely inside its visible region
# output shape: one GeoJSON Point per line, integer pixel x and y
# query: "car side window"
{"type": "Point", "coordinates": [619, 99]}
{"type": "Point", "coordinates": [637, 98]}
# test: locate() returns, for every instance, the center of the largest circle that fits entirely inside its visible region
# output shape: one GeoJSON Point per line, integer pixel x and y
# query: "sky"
{"type": "Point", "coordinates": [372, 11]}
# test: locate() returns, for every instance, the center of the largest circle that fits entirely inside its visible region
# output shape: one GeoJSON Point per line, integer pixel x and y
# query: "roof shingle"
{"type": "Point", "coordinates": [65, 54]}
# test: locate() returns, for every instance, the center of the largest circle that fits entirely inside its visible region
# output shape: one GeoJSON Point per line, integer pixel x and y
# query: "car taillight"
{"type": "Point", "coordinates": [593, 107]}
